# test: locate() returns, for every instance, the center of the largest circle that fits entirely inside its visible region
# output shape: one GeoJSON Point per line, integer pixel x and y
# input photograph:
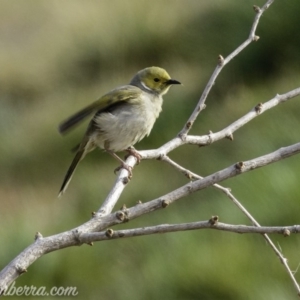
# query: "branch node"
{"type": "Point", "coordinates": [213, 220]}
{"type": "Point", "coordinates": [125, 180]}
{"type": "Point", "coordinates": [139, 202]}
{"type": "Point", "coordinates": [109, 233]}
{"type": "Point", "coordinates": [189, 188]}
{"type": "Point", "coordinates": [286, 232]}
{"type": "Point", "coordinates": [123, 207]}
{"type": "Point", "coordinates": [120, 215]}
{"type": "Point", "coordinates": [256, 9]}
{"type": "Point", "coordinates": [229, 136]}
{"type": "Point", "coordinates": [121, 234]}
{"type": "Point", "coordinates": [210, 139]}
{"type": "Point", "coordinates": [189, 124]}
{"type": "Point", "coordinates": [240, 165]}
{"type": "Point", "coordinates": [38, 236]}
{"type": "Point", "coordinates": [189, 175]}
{"type": "Point", "coordinates": [202, 107]}
{"type": "Point", "coordinates": [21, 270]}
{"type": "Point", "coordinates": [182, 136]}
{"type": "Point", "coordinates": [228, 190]}
{"type": "Point", "coordinates": [258, 108]}
{"type": "Point", "coordinates": [99, 213]}
{"type": "Point", "coordinates": [93, 213]}
{"type": "Point", "coordinates": [161, 156]}
{"type": "Point", "coordinates": [165, 203]}
{"type": "Point", "coordinates": [76, 234]}
{"type": "Point", "coordinates": [255, 38]}
{"type": "Point", "coordinates": [220, 60]}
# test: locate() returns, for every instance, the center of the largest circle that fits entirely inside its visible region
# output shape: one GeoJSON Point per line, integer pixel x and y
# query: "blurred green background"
{"type": "Point", "coordinates": [58, 56]}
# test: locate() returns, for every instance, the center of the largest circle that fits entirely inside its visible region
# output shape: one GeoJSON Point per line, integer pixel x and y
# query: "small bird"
{"type": "Point", "coordinates": [122, 117]}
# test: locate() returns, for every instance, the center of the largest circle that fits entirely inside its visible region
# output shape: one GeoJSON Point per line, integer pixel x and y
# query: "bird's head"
{"type": "Point", "coordinates": [153, 79]}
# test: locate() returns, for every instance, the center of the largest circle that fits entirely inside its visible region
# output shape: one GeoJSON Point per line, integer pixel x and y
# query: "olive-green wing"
{"type": "Point", "coordinates": [123, 93]}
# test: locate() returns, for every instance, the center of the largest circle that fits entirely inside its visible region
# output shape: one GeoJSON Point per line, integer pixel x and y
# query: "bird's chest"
{"type": "Point", "coordinates": [127, 124]}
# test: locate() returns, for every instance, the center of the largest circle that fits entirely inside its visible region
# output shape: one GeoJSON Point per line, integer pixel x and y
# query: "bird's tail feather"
{"type": "Point", "coordinates": [79, 155]}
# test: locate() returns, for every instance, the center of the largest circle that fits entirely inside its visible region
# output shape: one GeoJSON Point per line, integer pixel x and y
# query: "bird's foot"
{"type": "Point", "coordinates": [126, 167]}
{"type": "Point", "coordinates": [133, 152]}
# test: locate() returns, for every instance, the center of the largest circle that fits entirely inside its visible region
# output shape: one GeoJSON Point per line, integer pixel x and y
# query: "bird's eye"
{"type": "Point", "coordinates": [156, 79]}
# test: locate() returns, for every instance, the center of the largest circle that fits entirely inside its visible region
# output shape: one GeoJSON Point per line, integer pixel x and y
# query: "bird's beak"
{"type": "Point", "coordinates": [172, 81]}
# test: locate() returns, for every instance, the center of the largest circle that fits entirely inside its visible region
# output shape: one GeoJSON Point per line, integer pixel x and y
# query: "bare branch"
{"type": "Point", "coordinates": [88, 232]}
{"type": "Point", "coordinates": [167, 228]}
{"type": "Point", "coordinates": [223, 62]}
{"type": "Point", "coordinates": [117, 189]}
{"type": "Point", "coordinates": [224, 133]}
{"type": "Point", "coordinates": [227, 191]}
{"type": "Point", "coordinates": [70, 238]}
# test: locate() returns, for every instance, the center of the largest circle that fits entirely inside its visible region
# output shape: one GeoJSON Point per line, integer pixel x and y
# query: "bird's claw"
{"type": "Point", "coordinates": [126, 167]}
{"type": "Point", "coordinates": [133, 152]}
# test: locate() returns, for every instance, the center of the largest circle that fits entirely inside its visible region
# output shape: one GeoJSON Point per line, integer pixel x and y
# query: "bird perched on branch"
{"type": "Point", "coordinates": [122, 117]}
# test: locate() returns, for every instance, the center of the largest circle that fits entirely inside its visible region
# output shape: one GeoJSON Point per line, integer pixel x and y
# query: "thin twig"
{"type": "Point", "coordinates": [227, 191]}
{"type": "Point", "coordinates": [255, 112]}
{"type": "Point", "coordinates": [167, 228]}
{"type": "Point", "coordinates": [222, 62]}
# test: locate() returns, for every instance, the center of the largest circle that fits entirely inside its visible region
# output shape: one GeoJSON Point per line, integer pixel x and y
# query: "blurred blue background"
{"type": "Point", "coordinates": [58, 56]}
